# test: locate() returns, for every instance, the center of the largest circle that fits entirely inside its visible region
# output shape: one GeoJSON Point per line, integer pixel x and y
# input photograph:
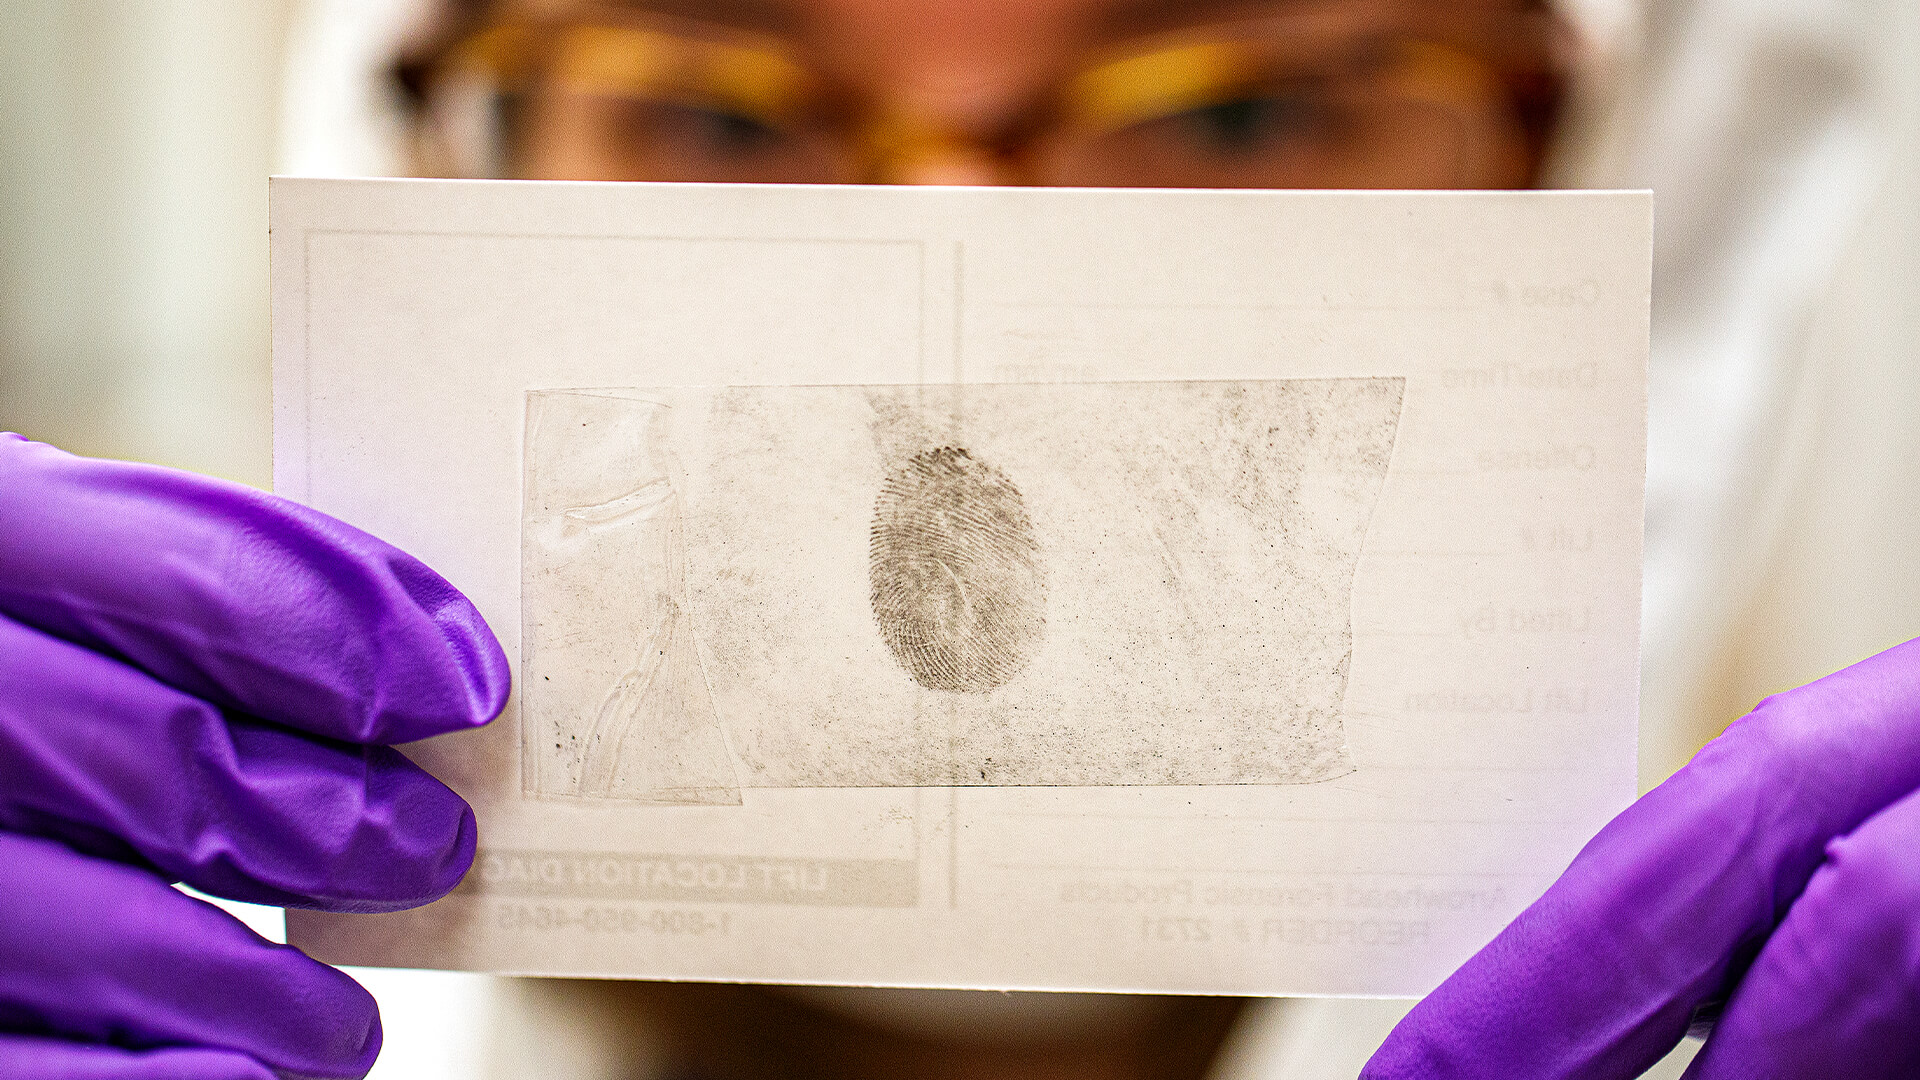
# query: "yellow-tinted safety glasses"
{"type": "Point", "coordinates": [1276, 102]}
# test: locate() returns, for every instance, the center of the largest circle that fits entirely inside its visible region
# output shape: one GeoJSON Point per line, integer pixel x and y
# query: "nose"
{"type": "Point", "coordinates": [917, 149]}
{"type": "Point", "coordinates": [959, 167]}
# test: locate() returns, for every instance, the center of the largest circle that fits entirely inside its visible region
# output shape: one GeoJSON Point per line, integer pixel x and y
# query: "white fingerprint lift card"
{"type": "Point", "coordinates": [1185, 591]}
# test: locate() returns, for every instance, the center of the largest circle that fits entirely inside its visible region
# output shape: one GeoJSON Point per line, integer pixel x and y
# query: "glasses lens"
{"type": "Point", "coordinates": [566, 134]}
{"type": "Point", "coordinates": [636, 102]}
{"type": "Point", "coordinates": [1260, 112]}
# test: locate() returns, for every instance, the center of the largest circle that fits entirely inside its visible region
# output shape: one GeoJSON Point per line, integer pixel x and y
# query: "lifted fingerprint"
{"type": "Point", "coordinates": [954, 570]}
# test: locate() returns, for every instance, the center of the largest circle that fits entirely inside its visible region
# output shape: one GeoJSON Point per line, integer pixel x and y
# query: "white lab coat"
{"type": "Point", "coordinates": [1782, 141]}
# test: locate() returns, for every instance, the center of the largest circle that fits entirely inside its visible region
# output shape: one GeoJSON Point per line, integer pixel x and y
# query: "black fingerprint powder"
{"type": "Point", "coordinates": [957, 586]}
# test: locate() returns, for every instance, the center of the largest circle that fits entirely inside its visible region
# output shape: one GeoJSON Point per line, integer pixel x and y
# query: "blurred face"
{"type": "Point", "coordinates": [1164, 93]}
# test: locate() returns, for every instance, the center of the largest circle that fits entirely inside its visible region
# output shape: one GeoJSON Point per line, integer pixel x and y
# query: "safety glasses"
{"type": "Point", "coordinates": [1327, 95]}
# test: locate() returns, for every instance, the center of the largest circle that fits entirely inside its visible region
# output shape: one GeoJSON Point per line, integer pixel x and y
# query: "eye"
{"type": "Point", "coordinates": [691, 131]}
{"type": "Point", "coordinates": [730, 132]}
{"type": "Point", "coordinates": [717, 130]}
{"type": "Point", "coordinates": [1251, 124]}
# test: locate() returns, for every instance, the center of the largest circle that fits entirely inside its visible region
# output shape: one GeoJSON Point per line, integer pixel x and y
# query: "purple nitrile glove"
{"type": "Point", "coordinates": [1777, 876]}
{"type": "Point", "coordinates": [196, 680]}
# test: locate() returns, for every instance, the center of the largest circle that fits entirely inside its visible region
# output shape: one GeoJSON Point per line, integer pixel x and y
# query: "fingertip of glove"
{"type": "Point", "coordinates": [312, 1019]}
{"type": "Point", "coordinates": [325, 825]}
{"type": "Point", "coordinates": [446, 846]}
{"type": "Point", "coordinates": [459, 678]}
{"type": "Point", "coordinates": [459, 860]}
{"type": "Point", "coordinates": [424, 859]}
{"type": "Point", "coordinates": [343, 1033]}
{"type": "Point", "coordinates": [372, 1038]}
{"type": "Point", "coordinates": [477, 654]}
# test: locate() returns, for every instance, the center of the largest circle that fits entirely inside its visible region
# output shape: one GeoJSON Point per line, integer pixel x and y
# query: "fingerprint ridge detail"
{"type": "Point", "coordinates": [956, 581]}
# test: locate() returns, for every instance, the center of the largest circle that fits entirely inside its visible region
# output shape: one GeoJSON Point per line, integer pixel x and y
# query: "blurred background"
{"type": "Point", "coordinates": [135, 138]}
{"type": "Point", "coordinates": [1781, 138]}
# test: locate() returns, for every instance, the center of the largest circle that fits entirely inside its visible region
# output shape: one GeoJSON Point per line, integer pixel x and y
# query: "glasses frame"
{"type": "Point", "coordinates": [1518, 53]}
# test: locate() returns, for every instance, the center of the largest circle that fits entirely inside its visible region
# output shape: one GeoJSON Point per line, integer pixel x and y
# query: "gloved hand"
{"type": "Point", "coordinates": [195, 682]}
{"type": "Point", "coordinates": [1778, 873]}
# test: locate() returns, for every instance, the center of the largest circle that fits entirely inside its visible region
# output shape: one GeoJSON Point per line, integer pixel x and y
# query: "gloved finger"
{"type": "Point", "coordinates": [250, 601]}
{"type": "Point", "coordinates": [101, 952]}
{"type": "Point", "coordinates": [1660, 912]}
{"type": "Point", "coordinates": [64, 1059]}
{"type": "Point", "coordinates": [1836, 990]}
{"type": "Point", "coordinates": [107, 759]}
